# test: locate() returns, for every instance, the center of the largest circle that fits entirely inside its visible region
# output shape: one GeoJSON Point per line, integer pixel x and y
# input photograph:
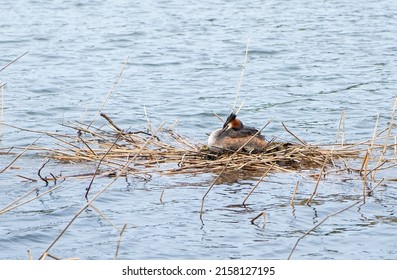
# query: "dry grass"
{"type": "Point", "coordinates": [169, 153]}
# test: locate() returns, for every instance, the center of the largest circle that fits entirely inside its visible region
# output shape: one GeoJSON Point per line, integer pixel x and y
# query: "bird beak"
{"type": "Point", "coordinates": [226, 127]}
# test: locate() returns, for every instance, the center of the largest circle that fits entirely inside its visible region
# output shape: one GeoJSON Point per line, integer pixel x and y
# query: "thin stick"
{"type": "Point", "coordinates": [104, 216]}
{"type": "Point", "coordinates": [294, 194]}
{"type": "Point", "coordinates": [262, 213]}
{"type": "Point", "coordinates": [395, 145]}
{"type": "Point", "coordinates": [365, 163]}
{"type": "Point", "coordinates": [239, 108]}
{"type": "Point", "coordinates": [8, 64]}
{"type": "Point", "coordinates": [30, 255]}
{"type": "Point", "coordinates": [39, 172]}
{"type": "Point", "coordinates": [319, 224]}
{"type": "Point", "coordinates": [219, 117]}
{"type": "Point", "coordinates": [2, 101]}
{"type": "Point", "coordinates": [18, 156]}
{"type": "Point", "coordinates": [372, 190]}
{"type": "Point", "coordinates": [18, 199]}
{"type": "Point", "coordinates": [161, 196]}
{"type": "Point", "coordinates": [374, 134]}
{"type": "Point", "coordinates": [4, 210]}
{"type": "Point", "coordinates": [109, 93]}
{"type": "Point", "coordinates": [296, 137]}
{"type": "Point", "coordinates": [388, 136]}
{"type": "Point", "coordinates": [259, 181]}
{"type": "Point", "coordinates": [341, 124]}
{"type": "Point", "coordinates": [147, 119]}
{"type": "Point", "coordinates": [119, 240]}
{"type": "Point", "coordinates": [111, 122]}
{"type": "Point", "coordinates": [241, 75]}
{"type": "Point", "coordinates": [99, 164]}
{"type": "Point", "coordinates": [318, 180]}
{"type": "Point", "coordinates": [88, 146]}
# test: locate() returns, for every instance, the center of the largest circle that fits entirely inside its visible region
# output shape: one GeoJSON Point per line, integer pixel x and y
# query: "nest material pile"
{"type": "Point", "coordinates": [165, 151]}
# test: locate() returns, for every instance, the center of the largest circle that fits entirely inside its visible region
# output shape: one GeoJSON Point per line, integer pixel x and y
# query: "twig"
{"type": "Point", "coordinates": [259, 181]}
{"type": "Point", "coordinates": [341, 124]}
{"type": "Point", "coordinates": [39, 172]}
{"type": "Point", "coordinates": [241, 75]}
{"type": "Point", "coordinates": [18, 156]}
{"type": "Point", "coordinates": [4, 210]}
{"type": "Point", "coordinates": [88, 146]}
{"type": "Point", "coordinates": [161, 196]}
{"type": "Point", "coordinates": [296, 137]}
{"type": "Point", "coordinates": [365, 166]}
{"type": "Point", "coordinates": [374, 134]}
{"type": "Point", "coordinates": [8, 64]}
{"type": "Point", "coordinates": [387, 137]}
{"type": "Point", "coordinates": [104, 216]}
{"type": "Point", "coordinates": [262, 213]}
{"type": "Point", "coordinates": [99, 164]}
{"type": "Point", "coordinates": [18, 199]}
{"type": "Point", "coordinates": [119, 241]}
{"type": "Point", "coordinates": [319, 224]}
{"type": "Point", "coordinates": [111, 122]}
{"type": "Point", "coordinates": [109, 93]}
{"type": "Point", "coordinates": [219, 117]}
{"type": "Point", "coordinates": [294, 194]}
{"type": "Point", "coordinates": [318, 180]}
{"type": "Point", "coordinates": [372, 190]}
{"type": "Point", "coordinates": [147, 119]}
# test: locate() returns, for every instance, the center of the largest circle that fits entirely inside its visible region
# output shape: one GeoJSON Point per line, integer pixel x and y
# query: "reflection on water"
{"type": "Point", "coordinates": [308, 62]}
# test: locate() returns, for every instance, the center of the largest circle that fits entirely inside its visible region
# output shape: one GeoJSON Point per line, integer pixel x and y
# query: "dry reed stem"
{"type": "Point", "coordinates": [318, 181]}
{"type": "Point", "coordinates": [104, 217]}
{"type": "Point", "coordinates": [365, 166]}
{"type": "Point", "coordinates": [99, 164]}
{"type": "Point", "coordinates": [219, 117]}
{"type": "Point", "coordinates": [261, 214]}
{"type": "Point", "coordinates": [19, 155]}
{"type": "Point", "coordinates": [241, 75]}
{"type": "Point", "coordinates": [257, 184]}
{"type": "Point", "coordinates": [2, 103]}
{"type": "Point", "coordinates": [12, 206]}
{"type": "Point", "coordinates": [109, 93]}
{"type": "Point", "coordinates": [388, 135]}
{"type": "Point", "coordinates": [161, 196]}
{"type": "Point", "coordinates": [373, 189]}
{"type": "Point", "coordinates": [18, 199]}
{"type": "Point", "coordinates": [13, 61]}
{"type": "Point", "coordinates": [111, 122]}
{"type": "Point", "coordinates": [294, 194]}
{"type": "Point", "coordinates": [319, 224]}
{"type": "Point", "coordinates": [341, 124]}
{"type": "Point", "coordinates": [119, 241]}
{"type": "Point", "coordinates": [296, 137]}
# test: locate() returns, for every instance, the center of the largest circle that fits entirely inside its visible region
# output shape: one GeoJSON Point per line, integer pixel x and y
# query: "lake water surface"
{"type": "Point", "coordinates": [308, 61]}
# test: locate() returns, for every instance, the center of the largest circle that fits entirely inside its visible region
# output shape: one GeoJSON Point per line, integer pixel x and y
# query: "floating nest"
{"type": "Point", "coordinates": [165, 151]}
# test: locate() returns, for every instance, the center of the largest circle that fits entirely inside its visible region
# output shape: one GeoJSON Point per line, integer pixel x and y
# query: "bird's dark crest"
{"type": "Point", "coordinates": [230, 118]}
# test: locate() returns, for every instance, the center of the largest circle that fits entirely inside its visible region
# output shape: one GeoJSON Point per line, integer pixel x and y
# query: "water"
{"type": "Point", "coordinates": [308, 62]}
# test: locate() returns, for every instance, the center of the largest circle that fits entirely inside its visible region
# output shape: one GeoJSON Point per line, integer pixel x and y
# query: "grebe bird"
{"type": "Point", "coordinates": [233, 135]}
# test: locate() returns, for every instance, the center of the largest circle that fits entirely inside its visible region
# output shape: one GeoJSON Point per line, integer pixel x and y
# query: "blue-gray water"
{"type": "Point", "coordinates": [308, 61]}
